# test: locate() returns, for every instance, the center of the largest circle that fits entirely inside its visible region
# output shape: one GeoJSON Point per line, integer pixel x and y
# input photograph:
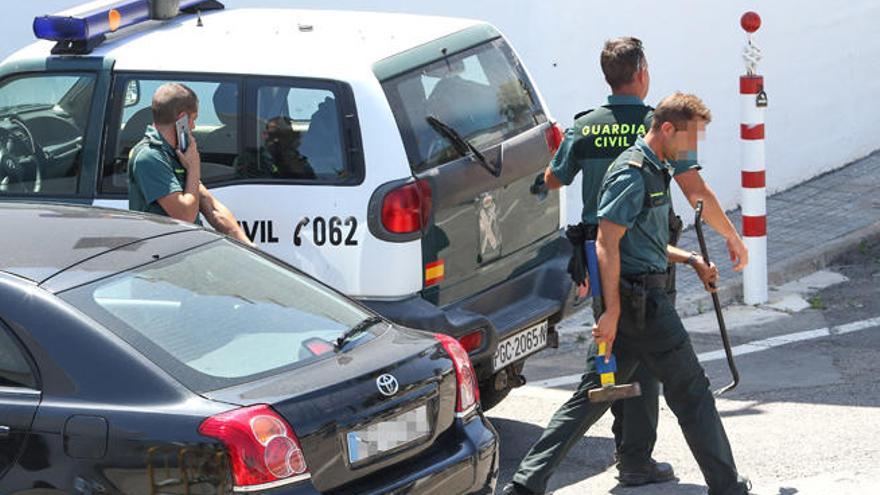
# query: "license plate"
{"type": "Point", "coordinates": [384, 436]}
{"type": "Point", "coordinates": [516, 347]}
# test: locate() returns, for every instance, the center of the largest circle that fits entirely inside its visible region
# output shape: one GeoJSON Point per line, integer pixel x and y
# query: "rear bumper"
{"type": "Point", "coordinates": [471, 467]}
{"type": "Point", "coordinates": [528, 297]}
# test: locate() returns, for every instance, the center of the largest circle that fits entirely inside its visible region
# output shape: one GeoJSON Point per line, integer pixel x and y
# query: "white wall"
{"type": "Point", "coordinates": [820, 68]}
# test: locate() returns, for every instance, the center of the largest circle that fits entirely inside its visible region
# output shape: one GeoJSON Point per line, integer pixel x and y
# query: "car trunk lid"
{"type": "Point", "coordinates": [341, 417]}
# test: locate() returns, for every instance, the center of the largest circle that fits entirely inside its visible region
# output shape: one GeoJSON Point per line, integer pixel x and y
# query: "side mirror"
{"type": "Point", "coordinates": [132, 93]}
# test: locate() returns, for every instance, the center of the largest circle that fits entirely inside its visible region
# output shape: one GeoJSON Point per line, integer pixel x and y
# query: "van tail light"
{"type": "Point", "coordinates": [407, 208]}
{"type": "Point", "coordinates": [468, 389]}
{"type": "Point", "coordinates": [472, 341]}
{"type": "Point", "coordinates": [263, 449]}
{"type": "Point", "coordinates": [554, 135]}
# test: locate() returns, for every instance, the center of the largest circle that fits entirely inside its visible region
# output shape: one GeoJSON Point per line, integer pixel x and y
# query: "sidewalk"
{"type": "Point", "coordinates": [807, 226]}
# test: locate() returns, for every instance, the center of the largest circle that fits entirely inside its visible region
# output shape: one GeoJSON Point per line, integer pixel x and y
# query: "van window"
{"type": "Point", "coordinates": [249, 129]}
{"type": "Point", "coordinates": [482, 93]}
{"type": "Point", "coordinates": [216, 130]}
{"type": "Point", "coordinates": [298, 135]}
{"type": "Point", "coordinates": [43, 120]}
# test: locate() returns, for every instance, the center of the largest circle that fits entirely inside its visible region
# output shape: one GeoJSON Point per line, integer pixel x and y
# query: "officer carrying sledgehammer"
{"type": "Point", "coordinates": [597, 137]}
{"type": "Point", "coordinates": [638, 322]}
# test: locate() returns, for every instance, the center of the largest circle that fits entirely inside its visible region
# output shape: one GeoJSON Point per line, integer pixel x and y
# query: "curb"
{"type": "Point", "coordinates": [807, 262]}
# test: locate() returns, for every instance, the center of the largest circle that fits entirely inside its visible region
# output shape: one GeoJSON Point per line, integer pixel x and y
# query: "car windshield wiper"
{"type": "Point", "coordinates": [360, 327]}
{"type": "Point", "coordinates": [461, 144]}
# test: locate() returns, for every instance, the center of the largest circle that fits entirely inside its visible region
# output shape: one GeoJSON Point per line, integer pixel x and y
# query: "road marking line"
{"type": "Point", "coordinates": [747, 348]}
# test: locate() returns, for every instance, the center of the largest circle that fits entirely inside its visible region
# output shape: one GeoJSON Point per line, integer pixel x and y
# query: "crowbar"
{"type": "Point", "coordinates": [698, 224]}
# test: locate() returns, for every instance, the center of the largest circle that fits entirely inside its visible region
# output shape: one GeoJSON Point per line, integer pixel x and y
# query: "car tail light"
{"type": "Point", "coordinates": [472, 341]}
{"type": "Point", "coordinates": [262, 447]}
{"type": "Point", "coordinates": [407, 208]}
{"type": "Point", "coordinates": [468, 390]}
{"type": "Point", "coordinates": [554, 135]}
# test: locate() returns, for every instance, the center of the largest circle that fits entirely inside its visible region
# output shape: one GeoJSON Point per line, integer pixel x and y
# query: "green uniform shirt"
{"type": "Point", "coordinates": [154, 171]}
{"type": "Point", "coordinates": [635, 194]}
{"type": "Point", "coordinates": [596, 139]}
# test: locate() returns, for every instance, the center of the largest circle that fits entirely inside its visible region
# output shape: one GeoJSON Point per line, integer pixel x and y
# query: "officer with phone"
{"type": "Point", "coordinates": [164, 168]}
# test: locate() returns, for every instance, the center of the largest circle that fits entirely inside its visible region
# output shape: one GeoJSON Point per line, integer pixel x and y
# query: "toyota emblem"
{"type": "Point", "coordinates": [387, 384]}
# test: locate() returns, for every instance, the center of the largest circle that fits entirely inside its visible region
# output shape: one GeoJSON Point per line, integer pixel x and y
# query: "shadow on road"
{"type": "Point", "coordinates": [589, 457]}
{"type": "Point", "coordinates": [669, 487]}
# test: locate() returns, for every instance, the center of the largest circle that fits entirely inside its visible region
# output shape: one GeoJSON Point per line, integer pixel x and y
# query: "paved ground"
{"type": "Point", "coordinates": [807, 226]}
{"type": "Point", "coordinates": [805, 419]}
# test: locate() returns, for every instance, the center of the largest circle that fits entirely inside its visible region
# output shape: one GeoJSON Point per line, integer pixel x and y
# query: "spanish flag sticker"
{"type": "Point", "coordinates": [434, 272]}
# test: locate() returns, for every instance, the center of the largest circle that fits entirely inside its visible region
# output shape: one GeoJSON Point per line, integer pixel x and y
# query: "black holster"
{"type": "Point", "coordinates": [634, 301]}
{"type": "Point", "coordinates": [675, 228]}
{"type": "Point", "coordinates": [577, 235]}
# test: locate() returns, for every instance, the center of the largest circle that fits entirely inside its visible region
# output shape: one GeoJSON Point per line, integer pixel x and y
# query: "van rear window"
{"type": "Point", "coordinates": [482, 93]}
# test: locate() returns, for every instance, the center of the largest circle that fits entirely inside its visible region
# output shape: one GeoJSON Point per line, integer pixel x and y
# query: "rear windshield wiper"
{"type": "Point", "coordinates": [360, 327]}
{"type": "Point", "coordinates": [461, 144]}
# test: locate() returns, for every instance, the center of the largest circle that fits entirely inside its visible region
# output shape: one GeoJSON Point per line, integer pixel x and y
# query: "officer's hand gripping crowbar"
{"type": "Point", "coordinates": [725, 339]}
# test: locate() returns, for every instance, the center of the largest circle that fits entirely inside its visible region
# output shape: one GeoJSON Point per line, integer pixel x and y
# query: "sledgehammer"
{"type": "Point", "coordinates": [610, 391]}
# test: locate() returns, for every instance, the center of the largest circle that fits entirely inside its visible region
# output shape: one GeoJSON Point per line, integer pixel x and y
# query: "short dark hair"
{"type": "Point", "coordinates": [679, 109]}
{"type": "Point", "coordinates": [170, 99]}
{"type": "Point", "coordinates": [621, 59]}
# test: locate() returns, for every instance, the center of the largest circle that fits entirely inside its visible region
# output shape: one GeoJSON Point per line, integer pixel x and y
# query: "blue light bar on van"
{"type": "Point", "coordinates": [94, 22]}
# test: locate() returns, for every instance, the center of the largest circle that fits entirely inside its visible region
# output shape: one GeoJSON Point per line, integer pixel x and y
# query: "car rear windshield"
{"type": "Point", "coordinates": [219, 315]}
{"type": "Point", "coordinates": [482, 93]}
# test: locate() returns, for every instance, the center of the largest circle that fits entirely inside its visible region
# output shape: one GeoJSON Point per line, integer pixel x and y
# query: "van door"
{"type": "Point", "coordinates": [284, 154]}
{"type": "Point", "coordinates": [487, 224]}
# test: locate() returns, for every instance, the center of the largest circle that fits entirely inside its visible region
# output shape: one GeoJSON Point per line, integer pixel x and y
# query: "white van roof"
{"type": "Point", "coordinates": [304, 43]}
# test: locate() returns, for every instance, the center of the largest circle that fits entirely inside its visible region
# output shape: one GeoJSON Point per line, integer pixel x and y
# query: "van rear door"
{"type": "Point", "coordinates": [486, 223]}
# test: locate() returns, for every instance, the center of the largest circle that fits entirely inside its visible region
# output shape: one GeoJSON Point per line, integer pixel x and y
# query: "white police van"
{"type": "Point", "coordinates": [390, 156]}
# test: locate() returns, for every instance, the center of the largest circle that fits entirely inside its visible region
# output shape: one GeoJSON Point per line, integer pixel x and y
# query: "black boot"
{"type": "Point", "coordinates": [515, 489]}
{"type": "Point", "coordinates": [644, 473]}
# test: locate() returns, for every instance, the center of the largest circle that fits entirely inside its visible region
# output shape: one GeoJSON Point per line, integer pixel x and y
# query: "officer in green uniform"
{"type": "Point", "coordinates": [637, 319]}
{"type": "Point", "coordinates": [591, 144]}
{"type": "Point", "coordinates": [166, 181]}
{"type": "Point", "coordinates": [596, 138]}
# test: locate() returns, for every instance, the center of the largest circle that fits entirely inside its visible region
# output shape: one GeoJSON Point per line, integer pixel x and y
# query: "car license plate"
{"type": "Point", "coordinates": [516, 347]}
{"type": "Point", "coordinates": [384, 436]}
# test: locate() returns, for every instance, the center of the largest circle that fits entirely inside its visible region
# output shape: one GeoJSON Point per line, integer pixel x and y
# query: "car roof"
{"type": "Point", "coordinates": [306, 43]}
{"type": "Point", "coordinates": [42, 239]}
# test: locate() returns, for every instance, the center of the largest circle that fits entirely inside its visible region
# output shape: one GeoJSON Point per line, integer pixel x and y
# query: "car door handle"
{"type": "Point", "coordinates": [4, 431]}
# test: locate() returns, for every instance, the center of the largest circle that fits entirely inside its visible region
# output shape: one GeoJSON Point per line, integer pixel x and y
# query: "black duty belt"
{"type": "Point", "coordinates": [647, 281]}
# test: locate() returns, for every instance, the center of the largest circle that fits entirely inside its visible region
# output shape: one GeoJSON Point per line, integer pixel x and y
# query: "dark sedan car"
{"type": "Point", "coordinates": [142, 355]}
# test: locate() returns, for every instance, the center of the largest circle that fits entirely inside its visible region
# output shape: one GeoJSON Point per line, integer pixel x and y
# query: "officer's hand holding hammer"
{"type": "Point", "coordinates": [605, 330]}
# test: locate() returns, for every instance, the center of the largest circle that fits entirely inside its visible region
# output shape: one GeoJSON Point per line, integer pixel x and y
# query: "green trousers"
{"type": "Point", "coordinates": [659, 342]}
{"type": "Point", "coordinates": [635, 419]}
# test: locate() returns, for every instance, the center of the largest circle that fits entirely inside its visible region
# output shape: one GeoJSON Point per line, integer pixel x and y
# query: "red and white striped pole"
{"type": "Point", "coordinates": [753, 100]}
